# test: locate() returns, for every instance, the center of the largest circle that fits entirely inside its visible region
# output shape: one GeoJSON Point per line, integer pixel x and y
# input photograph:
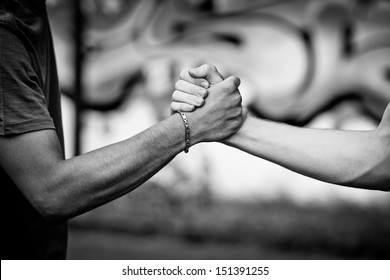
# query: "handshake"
{"type": "Point", "coordinates": [358, 159]}
{"type": "Point", "coordinates": [214, 119]}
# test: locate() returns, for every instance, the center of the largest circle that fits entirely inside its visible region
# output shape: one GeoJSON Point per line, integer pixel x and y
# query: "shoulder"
{"type": "Point", "coordinates": [11, 42]}
{"type": "Point", "coordinates": [23, 105]}
{"type": "Point", "coordinates": [17, 61]}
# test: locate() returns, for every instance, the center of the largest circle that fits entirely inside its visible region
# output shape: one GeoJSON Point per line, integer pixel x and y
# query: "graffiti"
{"type": "Point", "coordinates": [300, 62]}
{"type": "Point", "coordinates": [297, 58]}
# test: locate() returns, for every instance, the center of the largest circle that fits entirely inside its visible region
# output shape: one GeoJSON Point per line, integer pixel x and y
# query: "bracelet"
{"type": "Point", "coordinates": [187, 131]}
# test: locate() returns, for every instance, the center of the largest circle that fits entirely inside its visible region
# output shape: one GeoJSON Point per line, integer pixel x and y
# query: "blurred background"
{"type": "Point", "coordinates": [323, 64]}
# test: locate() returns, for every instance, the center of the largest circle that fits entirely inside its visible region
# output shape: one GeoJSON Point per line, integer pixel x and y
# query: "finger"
{"type": "Point", "coordinates": [183, 97]}
{"type": "Point", "coordinates": [230, 84]}
{"type": "Point", "coordinates": [234, 80]}
{"type": "Point", "coordinates": [184, 75]}
{"type": "Point", "coordinates": [208, 72]}
{"type": "Point", "coordinates": [190, 88]}
{"type": "Point", "coordinates": [184, 107]}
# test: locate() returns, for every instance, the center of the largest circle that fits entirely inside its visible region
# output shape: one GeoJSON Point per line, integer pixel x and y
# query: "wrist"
{"type": "Point", "coordinates": [241, 134]}
{"type": "Point", "coordinates": [187, 131]}
{"type": "Point", "coordinates": [196, 131]}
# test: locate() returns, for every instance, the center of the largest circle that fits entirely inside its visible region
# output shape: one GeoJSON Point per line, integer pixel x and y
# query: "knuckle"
{"type": "Point", "coordinates": [203, 83]}
{"type": "Point", "coordinates": [202, 92]}
{"type": "Point", "coordinates": [175, 95]}
{"type": "Point", "coordinates": [174, 106]}
{"type": "Point", "coordinates": [235, 80]}
{"type": "Point", "coordinates": [239, 98]}
{"type": "Point", "coordinates": [239, 113]}
{"type": "Point", "coordinates": [229, 86]}
{"type": "Point", "coordinates": [212, 67]}
{"type": "Point", "coordinates": [235, 115]}
{"type": "Point", "coordinates": [207, 67]}
{"type": "Point", "coordinates": [190, 108]}
{"type": "Point", "coordinates": [198, 101]}
{"type": "Point", "coordinates": [203, 66]}
{"type": "Point", "coordinates": [236, 112]}
{"type": "Point", "coordinates": [180, 85]}
{"type": "Point", "coordinates": [182, 74]}
{"type": "Point", "coordinates": [177, 84]}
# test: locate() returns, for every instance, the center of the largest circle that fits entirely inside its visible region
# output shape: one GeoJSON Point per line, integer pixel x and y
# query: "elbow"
{"type": "Point", "coordinates": [57, 199]}
{"type": "Point", "coordinates": [51, 204]}
{"type": "Point", "coordinates": [51, 209]}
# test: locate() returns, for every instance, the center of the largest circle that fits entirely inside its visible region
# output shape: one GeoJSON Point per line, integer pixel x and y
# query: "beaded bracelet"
{"type": "Point", "coordinates": [187, 131]}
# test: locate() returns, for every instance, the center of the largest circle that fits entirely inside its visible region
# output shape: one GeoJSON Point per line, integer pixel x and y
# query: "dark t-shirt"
{"type": "Point", "coordinates": [29, 101]}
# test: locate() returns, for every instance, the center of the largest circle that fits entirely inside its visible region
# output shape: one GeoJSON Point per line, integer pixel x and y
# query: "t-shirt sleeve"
{"type": "Point", "coordinates": [22, 101]}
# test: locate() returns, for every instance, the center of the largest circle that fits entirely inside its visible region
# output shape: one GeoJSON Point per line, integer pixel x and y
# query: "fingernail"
{"type": "Point", "coordinates": [204, 84]}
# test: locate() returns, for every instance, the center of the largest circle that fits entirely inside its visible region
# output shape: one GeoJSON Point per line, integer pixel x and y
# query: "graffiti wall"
{"type": "Point", "coordinates": [323, 64]}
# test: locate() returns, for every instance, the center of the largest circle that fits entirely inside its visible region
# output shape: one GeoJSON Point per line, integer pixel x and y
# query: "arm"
{"type": "Point", "coordinates": [353, 158]}
{"type": "Point", "coordinates": [60, 189]}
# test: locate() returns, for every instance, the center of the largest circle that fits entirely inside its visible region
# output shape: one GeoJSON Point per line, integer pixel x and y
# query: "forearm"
{"type": "Point", "coordinates": [358, 159]}
{"type": "Point", "coordinates": [60, 189]}
{"type": "Point", "coordinates": [95, 178]}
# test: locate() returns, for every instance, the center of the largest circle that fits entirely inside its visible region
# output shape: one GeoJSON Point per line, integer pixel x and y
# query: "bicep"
{"type": "Point", "coordinates": [29, 158]}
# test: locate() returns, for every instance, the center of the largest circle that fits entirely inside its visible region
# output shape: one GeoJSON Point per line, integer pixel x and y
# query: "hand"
{"type": "Point", "coordinates": [191, 89]}
{"type": "Point", "coordinates": [218, 117]}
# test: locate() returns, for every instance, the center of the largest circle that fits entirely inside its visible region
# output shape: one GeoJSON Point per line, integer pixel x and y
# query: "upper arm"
{"type": "Point", "coordinates": [23, 105]}
{"type": "Point", "coordinates": [29, 159]}
{"type": "Point", "coordinates": [29, 144]}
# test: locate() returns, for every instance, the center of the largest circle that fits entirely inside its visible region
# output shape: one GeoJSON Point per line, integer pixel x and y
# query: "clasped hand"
{"type": "Point", "coordinates": [212, 102]}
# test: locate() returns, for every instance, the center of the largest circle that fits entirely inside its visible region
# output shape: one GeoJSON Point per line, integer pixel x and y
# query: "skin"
{"type": "Point", "coordinates": [60, 189]}
{"type": "Point", "coordinates": [358, 159]}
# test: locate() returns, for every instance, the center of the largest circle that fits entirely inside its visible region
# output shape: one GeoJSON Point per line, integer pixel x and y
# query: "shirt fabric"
{"type": "Point", "coordinates": [29, 101]}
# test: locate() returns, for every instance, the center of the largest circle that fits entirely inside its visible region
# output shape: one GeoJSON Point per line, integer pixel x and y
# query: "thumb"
{"type": "Point", "coordinates": [208, 72]}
